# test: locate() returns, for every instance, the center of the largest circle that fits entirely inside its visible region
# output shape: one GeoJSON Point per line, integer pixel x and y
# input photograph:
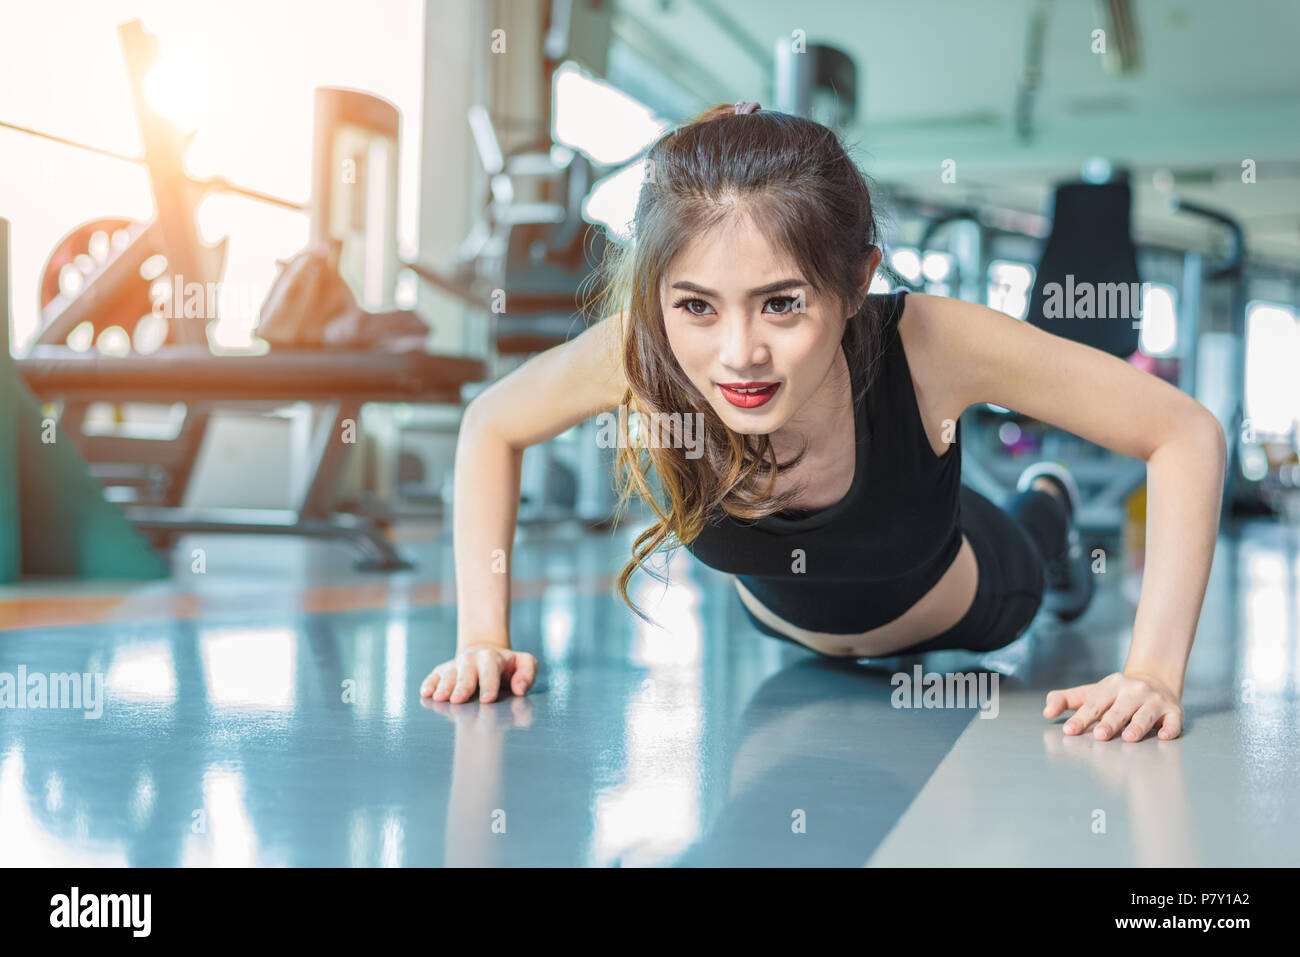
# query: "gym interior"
{"type": "Point", "coordinates": [257, 259]}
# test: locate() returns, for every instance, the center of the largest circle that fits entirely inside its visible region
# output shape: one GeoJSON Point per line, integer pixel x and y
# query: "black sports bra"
{"type": "Point", "coordinates": [865, 560]}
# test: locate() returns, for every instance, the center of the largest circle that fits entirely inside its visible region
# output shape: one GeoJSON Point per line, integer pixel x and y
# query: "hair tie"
{"type": "Point", "coordinates": [744, 107]}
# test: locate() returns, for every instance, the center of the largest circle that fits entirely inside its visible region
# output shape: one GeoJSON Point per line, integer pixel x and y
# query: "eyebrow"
{"type": "Point", "coordinates": [760, 291]}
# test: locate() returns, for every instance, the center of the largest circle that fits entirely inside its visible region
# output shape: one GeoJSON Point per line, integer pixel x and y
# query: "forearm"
{"type": "Point", "coordinates": [486, 510]}
{"type": "Point", "coordinates": [1184, 494]}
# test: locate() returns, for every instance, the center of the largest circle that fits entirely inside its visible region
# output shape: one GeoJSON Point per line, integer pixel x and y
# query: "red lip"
{"type": "Point", "coordinates": [751, 400]}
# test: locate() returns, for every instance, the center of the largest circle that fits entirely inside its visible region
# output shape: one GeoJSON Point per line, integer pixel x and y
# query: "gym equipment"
{"type": "Point", "coordinates": [10, 554]}
{"type": "Point", "coordinates": [1090, 241]}
{"type": "Point", "coordinates": [819, 83]}
{"type": "Point", "coordinates": [311, 306]}
{"type": "Point", "coordinates": [56, 520]}
{"type": "Point", "coordinates": [80, 291]}
{"type": "Point", "coordinates": [340, 380]}
{"type": "Point", "coordinates": [530, 266]}
{"type": "Point", "coordinates": [184, 370]}
{"type": "Point", "coordinates": [354, 189]}
{"type": "Point", "coordinates": [1231, 418]}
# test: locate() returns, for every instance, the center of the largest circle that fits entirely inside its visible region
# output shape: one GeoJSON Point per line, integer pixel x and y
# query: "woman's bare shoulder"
{"type": "Point", "coordinates": [932, 358]}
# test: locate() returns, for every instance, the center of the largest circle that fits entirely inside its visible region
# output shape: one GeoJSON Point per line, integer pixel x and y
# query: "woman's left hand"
{"type": "Point", "coordinates": [1134, 703]}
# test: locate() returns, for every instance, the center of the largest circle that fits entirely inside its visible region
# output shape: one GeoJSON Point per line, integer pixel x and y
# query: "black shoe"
{"type": "Point", "coordinates": [1068, 580]}
{"type": "Point", "coordinates": [1068, 576]}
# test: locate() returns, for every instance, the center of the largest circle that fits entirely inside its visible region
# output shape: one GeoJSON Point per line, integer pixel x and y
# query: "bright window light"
{"type": "Point", "coordinates": [612, 201]}
{"type": "Point", "coordinates": [250, 94]}
{"type": "Point", "coordinates": [598, 120]}
{"type": "Point", "coordinates": [1254, 463]}
{"type": "Point", "coordinates": [906, 263]}
{"type": "Point", "coordinates": [1009, 285]}
{"type": "Point", "coordinates": [1159, 319]}
{"type": "Point", "coordinates": [1272, 353]}
{"type": "Point", "coordinates": [936, 266]}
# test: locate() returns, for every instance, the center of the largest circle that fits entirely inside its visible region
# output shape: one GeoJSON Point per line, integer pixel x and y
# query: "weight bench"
{"type": "Point", "coordinates": [341, 380]}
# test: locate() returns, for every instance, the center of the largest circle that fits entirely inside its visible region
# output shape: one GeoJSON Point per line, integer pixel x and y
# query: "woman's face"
{"type": "Point", "coordinates": [739, 313]}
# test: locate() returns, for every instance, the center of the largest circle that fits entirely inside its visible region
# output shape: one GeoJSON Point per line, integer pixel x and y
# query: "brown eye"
{"type": "Point", "coordinates": [688, 303]}
{"type": "Point", "coordinates": [790, 300]}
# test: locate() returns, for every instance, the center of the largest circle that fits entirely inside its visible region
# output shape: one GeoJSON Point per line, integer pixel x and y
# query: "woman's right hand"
{"type": "Point", "coordinates": [480, 666]}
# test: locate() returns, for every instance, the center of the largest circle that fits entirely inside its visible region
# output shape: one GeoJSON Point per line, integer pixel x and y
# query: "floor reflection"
{"type": "Point", "coordinates": [299, 739]}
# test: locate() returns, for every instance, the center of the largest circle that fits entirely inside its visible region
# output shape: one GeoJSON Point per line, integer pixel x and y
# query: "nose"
{"type": "Point", "coordinates": [742, 349]}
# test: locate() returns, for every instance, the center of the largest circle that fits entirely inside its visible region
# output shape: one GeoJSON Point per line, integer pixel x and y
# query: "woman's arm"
{"type": "Point", "coordinates": [547, 395]}
{"type": "Point", "coordinates": [1184, 492]}
{"type": "Point", "coordinates": [485, 510]}
{"type": "Point", "coordinates": [985, 356]}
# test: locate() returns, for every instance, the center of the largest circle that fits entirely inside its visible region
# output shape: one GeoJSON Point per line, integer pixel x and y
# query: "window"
{"type": "Point", "coordinates": [1272, 391]}
{"type": "Point", "coordinates": [601, 122]}
{"type": "Point", "coordinates": [1159, 319]}
{"type": "Point", "coordinates": [1009, 287]}
{"type": "Point", "coordinates": [250, 70]}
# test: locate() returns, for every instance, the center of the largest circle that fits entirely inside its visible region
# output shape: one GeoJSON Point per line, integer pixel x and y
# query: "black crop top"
{"type": "Point", "coordinates": [865, 560]}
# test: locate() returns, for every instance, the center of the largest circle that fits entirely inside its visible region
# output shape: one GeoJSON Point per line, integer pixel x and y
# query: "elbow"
{"type": "Point", "coordinates": [471, 418]}
{"type": "Point", "coordinates": [1211, 432]}
{"type": "Point", "coordinates": [474, 421]}
{"type": "Point", "coordinates": [481, 421]}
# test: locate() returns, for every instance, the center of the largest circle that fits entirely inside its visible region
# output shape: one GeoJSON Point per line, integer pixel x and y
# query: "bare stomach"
{"type": "Point", "coordinates": [937, 611]}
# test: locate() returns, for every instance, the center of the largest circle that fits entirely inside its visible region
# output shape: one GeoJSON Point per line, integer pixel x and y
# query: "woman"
{"type": "Point", "coordinates": [829, 479]}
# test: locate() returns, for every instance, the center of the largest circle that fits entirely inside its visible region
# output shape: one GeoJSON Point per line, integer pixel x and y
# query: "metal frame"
{"type": "Point", "coordinates": [265, 382]}
{"type": "Point", "coordinates": [314, 515]}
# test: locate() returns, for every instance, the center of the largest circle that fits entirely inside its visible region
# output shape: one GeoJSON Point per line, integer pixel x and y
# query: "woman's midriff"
{"type": "Point", "coordinates": [937, 611]}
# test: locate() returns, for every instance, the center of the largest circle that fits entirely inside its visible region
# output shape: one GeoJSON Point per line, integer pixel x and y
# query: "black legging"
{"type": "Point", "coordinates": [1010, 548]}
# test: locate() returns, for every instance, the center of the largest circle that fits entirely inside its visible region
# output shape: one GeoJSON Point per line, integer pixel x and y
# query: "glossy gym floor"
{"type": "Point", "coordinates": [267, 712]}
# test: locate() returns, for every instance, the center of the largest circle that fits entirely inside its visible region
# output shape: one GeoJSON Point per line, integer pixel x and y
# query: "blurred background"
{"type": "Point", "coordinates": [256, 258]}
{"type": "Point", "coordinates": [511, 145]}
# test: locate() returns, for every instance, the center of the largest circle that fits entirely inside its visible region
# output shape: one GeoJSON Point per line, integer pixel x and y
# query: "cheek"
{"type": "Point", "coordinates": [689, 351]}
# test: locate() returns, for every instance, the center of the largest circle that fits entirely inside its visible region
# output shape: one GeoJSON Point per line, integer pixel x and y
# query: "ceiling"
{"type": "Point", "coordinates": [1215, 85]}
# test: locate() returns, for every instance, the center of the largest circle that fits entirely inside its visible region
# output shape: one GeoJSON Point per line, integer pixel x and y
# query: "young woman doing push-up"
{"type": "Point", "coordinates": [829, 482]}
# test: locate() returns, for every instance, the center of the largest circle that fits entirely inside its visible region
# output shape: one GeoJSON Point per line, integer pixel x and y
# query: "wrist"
{"type": "Point", "coordinates": [1170, 678]}
{"type": "Point", "coordinates": [483, 641]}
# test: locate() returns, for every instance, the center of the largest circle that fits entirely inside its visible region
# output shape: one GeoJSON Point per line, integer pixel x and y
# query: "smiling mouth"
{"type": "Point", "coordinates": [748, 395]}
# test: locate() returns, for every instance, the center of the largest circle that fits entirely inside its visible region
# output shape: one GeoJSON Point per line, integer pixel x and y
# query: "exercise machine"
{"type": "Point", "coordinates": [1231, 411]}
{"type": "Point", "coordinates": [1090, 241]}
{"type": "Point", "coordinates": [183, 369]}
{"type": "Point", "coordinates": [55, 520]}
{"type": "Point", "coordinates": [529, 265]}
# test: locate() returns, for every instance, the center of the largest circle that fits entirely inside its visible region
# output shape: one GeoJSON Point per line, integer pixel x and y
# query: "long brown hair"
{"type": "Point", "coordinates": [794, 179]}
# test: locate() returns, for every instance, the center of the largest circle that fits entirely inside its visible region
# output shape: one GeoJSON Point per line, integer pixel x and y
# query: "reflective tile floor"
{"type": "Point", "coordinates": [267, 712]}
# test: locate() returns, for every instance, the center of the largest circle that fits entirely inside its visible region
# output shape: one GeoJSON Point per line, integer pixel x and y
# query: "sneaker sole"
{"type": "Point", "coordinates": [1058, 474]}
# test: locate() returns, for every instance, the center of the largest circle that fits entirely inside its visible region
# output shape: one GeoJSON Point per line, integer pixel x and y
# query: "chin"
{"type": "Point", "coordinates": [744, 425]}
